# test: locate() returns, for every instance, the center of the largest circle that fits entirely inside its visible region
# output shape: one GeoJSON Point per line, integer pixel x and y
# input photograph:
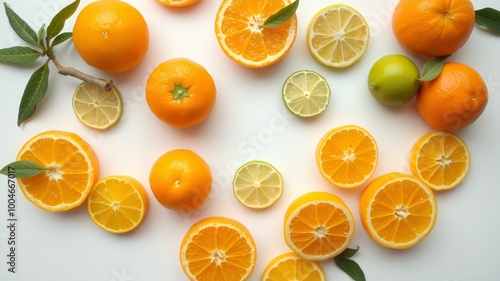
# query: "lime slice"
{"type": "Point", "coordinates": [96, 107]}
{"type": "Point", "coordinates": [306, 93]}
{"type": "Point", "coordinates": [338, 36]}
{"type": "Point", "coordinates": [257, 184]}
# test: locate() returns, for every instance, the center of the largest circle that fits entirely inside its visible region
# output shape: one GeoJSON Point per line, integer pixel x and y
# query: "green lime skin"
{"type": "Point", "coordinates": [393, 80]}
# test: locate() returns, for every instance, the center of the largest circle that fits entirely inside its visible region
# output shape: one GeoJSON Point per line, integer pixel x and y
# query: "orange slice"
{"type": "Point", "coordinates": [318, 226]}
{"type": "Point", "coordinates": [241, 37]}
{"type": "Point", "coordinates": [178, 3]}
{"type": "Point", "coordinates": [74, 168]}
{"type": "Point", "coordinates": [118, 204]}
{"type": "Point", "coordinates": [291, 267]}
{"type": "Point", "coordinates": [347, 156]}
{"type": "Point", "coordinates": [440, 159]}
{"type": "Point", "coordinates": [398, 210]}
{"type": "Point", "coordinates": [218, 248]}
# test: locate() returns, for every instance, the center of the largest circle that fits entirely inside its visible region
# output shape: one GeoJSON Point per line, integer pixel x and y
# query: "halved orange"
{"type": "Point", "coordinates": [347, 156]}
{"type": "Point", "coordinates": [440, 159]}
{"type": "Point", "coordinates": [318, 226]}
{"type": "Point", "coordinates": [118, 204]}
{"type": "Point", "coordinates": [238, 26]}
{"type": "Point", "coordinates": [398, 210]}
{"type": "Point", "coordinates": [73, 170]}
{"type": "Point", "coordinates": [292, 267]}
{"type": "Point", "coordinates": [218, 248]}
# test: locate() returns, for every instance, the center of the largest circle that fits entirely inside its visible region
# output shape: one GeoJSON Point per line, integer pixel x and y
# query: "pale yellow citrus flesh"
{"type": "Point", "coordinates": [96, 107]}
{"type": "Point", "coordinates": [218, 248]}
{"type": "Point", "coordinates": [398, 210]}
{"type": "Point", "coordinates": [257, 184]}
{"type": "Point", "coordinates": [440, 159]}
{"type": "Point", "coordinates": [347, 156]}
{"type": "Point", "coordinates": [306, 93]}
{"type": "Point", "coordinates": [291, 267]}
{"type": "Point", "coordinates": [338, 36]}
{"type": "Point", "coordinates": [118, 204]}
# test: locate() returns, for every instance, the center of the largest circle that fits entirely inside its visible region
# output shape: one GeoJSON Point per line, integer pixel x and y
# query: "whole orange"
{"type": "Point", "coordinates": [111, 35]}
{"type": "Point", "coordinates": [180, 180]}
{"type": "Point", "coordinates": [181, 92]}
{"type": "Point", "coordinates": [433, 28]}
{"type": "Point", "coordinates": [455, 99]}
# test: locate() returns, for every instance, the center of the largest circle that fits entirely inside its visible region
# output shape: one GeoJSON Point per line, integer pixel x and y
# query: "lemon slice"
{"type": "Point", "coordinates": [338, 36]}
{"type": "Point", "coordinates": [257, 184]}
{"type": "Point", "coordinates": [96, 107]}
{"type": "Point", "coordinates": [306, 93]}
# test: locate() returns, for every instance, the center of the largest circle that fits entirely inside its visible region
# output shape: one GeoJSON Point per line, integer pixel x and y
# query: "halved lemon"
{"type": "Point", "coordinates": [306, 93]}
{"type": "Point", "coordinates": [338, 36]}
{"type": "Point", "coordinates": [96, 107]}
{"type": "Point", "coordinates": [178, 3]}
{"type": "Point", "coordinates": [257, 184]}
{"type": "Point", "coordinates": [118, 204]}
{"type": "Point", "coordinates": [292, 267]}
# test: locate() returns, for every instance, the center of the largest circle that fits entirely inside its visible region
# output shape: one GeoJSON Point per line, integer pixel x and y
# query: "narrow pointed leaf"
{"type": "Point", "coordinates": [22, 29]}
{"type": "Point", "coordinates": [23, 169]}
{"type": "Point", "coordinates": [351, 268]}
{"type": "Point", "coordinates": [489, 18]}
{"type": "Point", "coordinates": [433, 68]}
{"type": "Point", "coordinates": [348, 253]}
{"type": "Point", "coordinates": [61, 38]}
{"type": "Point", "coordinates": [41, 33]}
{"type": "Point", "coordinates": [33, 93]}
{"type": "Point", "coordinates": [57, 23]}
{"type": "Point", "coordinates": [282, 15]}
{"type": "Point", "coordinates": [19, 55]}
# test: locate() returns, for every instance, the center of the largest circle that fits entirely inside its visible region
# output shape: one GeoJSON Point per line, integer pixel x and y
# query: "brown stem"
{"type": "Point", "coordinates": [105, 84]}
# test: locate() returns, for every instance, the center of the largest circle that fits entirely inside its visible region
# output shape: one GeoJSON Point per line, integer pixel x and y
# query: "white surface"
{"type": "Point", "coordinates": [249, 122]}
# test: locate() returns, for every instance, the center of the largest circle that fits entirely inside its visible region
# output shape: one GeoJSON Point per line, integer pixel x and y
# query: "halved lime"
{"type": "Point", "coordinates": [96, 107]}
{"type": "Point", "coordinates": [306, 93]}
{"type": "Point", "coordinates": [257, 184]}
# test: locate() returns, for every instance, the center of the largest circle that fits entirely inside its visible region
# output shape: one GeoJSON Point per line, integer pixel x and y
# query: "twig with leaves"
{"type": "Point", "coordinates": [44, 40]}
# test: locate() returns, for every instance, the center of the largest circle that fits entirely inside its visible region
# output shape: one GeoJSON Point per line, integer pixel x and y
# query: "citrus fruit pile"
{"type": "Point", "coordinates": [397, 209]}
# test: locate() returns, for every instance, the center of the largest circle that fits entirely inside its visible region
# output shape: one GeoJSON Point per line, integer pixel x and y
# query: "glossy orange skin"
{"type": "Point", "coordinates": [180, 180]}
{"type": "Point", "coordinates": [455, 99]}
{"type": "Point", "coordinates": [111, 35]}
{"type": "Point", "coordinates": [185, 111]}
{"type": "Point", "coordinates": [433, 28]}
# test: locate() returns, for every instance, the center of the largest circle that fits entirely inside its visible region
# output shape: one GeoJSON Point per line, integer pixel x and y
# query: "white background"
{"type": "Point", "coordinates": [249, 122]}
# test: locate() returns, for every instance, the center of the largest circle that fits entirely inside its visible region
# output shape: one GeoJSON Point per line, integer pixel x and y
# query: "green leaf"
{"type": "Point", "coordinates": [348, 253]}
{"type": "Point", "coordinates": [61, 38]}
{"type": "Point", "coordinates": [33, 93]}
{"type": "Point", "coordinates": [41, 33]}
{"type": "Point", "coordinates": [23, 169]}
{"type": "Point", "coordinates": [57, 23]}
{"type": "Point", "coordinates": [489, 18]}
{"type": "Point", "coordinates": [350, 267]}
{"type": "Point", "coordinates": [433, 68]}
{"type": "Point", "coordinates": [22, 29]}
{"type": "Point", "coordinates": [19, 55]}
{"type": "Point", "coordinates": [282, 15]}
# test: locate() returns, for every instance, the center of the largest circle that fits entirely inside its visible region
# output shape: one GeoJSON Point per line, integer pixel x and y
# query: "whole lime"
{"type": "Point", "coordinates": [394, 80]}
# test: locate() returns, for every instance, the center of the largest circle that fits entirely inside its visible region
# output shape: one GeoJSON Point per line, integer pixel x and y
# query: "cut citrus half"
{"type": "Point", "coordinates": [218, 248]}
{"type": "Point", "coordinates": [440, 159]}
{"type": "Point", "coordinates": [96, 107]}
{"type": "Point", "coordinates": [338, 36]}
{"type": "Point", "coordinates": [238, 26]}
{"type": "Point", "coordinates": [257, 184]}
{"type": "Point", "coordinates": [178, 3]}
{"type": "Point", "coordinates": [398, 210]}
{"type": "Point", "coordinates": [347, 156]}
{"type": "Point", "coordinates": [118, 204]}
{"type": "Point", "coordinates": [291, 267]}
{"type": "Point", "coordinates": [73, 168]}
{"type": "Point", "coordinates": [318, 226]}
{"type": "Point", "coordinates": [306, 93]}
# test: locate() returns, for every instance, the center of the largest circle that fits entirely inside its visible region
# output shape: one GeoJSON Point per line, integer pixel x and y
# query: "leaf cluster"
{"type": "Point", "coordinates": [42, 44]}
